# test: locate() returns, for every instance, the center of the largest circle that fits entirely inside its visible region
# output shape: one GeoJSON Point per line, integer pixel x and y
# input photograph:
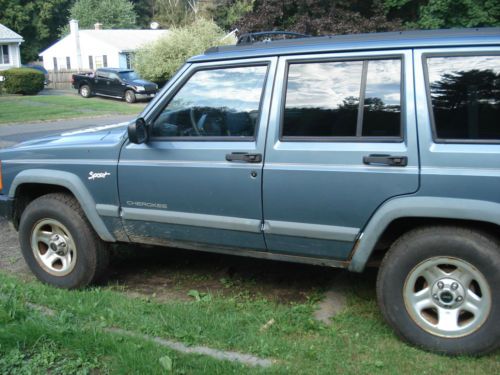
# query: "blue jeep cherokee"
{"type": "Point", "coordinates": [336, 151]}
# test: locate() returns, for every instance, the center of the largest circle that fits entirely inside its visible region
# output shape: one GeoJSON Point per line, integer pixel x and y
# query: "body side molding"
{"type": "Point", "coordinates": [407, 207]}
{"type": "Point", "coordinates": [192, 219]}
{"type": "Point", "coordinates": [71, 182]}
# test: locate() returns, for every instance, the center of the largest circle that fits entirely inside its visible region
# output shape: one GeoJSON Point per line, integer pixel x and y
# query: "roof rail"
{"type": "Point", "coordinates": [249, 38]}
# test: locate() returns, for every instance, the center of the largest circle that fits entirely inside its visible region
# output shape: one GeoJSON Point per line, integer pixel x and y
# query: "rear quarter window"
{"type": "Point", "coordinates": [465, 98]}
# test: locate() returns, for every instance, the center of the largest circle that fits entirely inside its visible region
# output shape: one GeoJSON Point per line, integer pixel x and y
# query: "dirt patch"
{"type": "Point", "coordinates": [166, 273]}
{"type": "Point", "coordinates": [10, 255]}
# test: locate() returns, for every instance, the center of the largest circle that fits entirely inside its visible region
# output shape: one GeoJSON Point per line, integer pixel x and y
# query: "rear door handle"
{"type": "Point", "coordinates": [395, 161]}
{"type": "Point", "coordinates": [244, 157]}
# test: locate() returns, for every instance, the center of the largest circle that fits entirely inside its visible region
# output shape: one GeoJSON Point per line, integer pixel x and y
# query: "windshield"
{"type": "Point", "coordinates": [129, 76]}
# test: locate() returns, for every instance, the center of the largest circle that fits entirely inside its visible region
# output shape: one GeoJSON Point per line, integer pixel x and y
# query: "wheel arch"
{"type": "Point", "coordinates": [33, 183]}
{"type": "Point", "coordinates": [399, 215]}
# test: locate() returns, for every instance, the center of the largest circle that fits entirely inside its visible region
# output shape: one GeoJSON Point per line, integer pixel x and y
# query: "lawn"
{"type": "Point", "coordinates": [76, 339]}
{"type": "Point", "coordinates": [51, 107]}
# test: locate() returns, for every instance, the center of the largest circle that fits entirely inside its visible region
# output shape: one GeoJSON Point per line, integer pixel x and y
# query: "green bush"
{"type": "Point", "coordinates": [23, 81]}
{"type": "Point", "coordinates": [159, 60]}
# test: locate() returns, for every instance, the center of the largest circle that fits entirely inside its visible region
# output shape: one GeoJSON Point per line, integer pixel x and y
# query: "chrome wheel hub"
{"type": "Point", "coordinates": [53, 247]}
{"type": "Point", "coordinates": [447, 297]}
{"type": "Point", "coordinates": [448, 293]}
{"type": "Point", "coordinates": [58, 245]}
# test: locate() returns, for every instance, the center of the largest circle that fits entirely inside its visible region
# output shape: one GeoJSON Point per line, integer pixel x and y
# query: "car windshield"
{"type": "Point", "coordinates": [130, 75]}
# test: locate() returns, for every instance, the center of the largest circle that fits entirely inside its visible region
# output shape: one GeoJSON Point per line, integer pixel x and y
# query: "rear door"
{"type": "Point", "coordinates": [342, 141]}
{"type": "Point", "coordinates": [199, 179]}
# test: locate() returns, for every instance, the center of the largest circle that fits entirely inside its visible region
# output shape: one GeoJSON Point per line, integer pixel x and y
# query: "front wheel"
{"type": "Point", "coordinates": [130, 96]}
{"type": "Point", "coordinates": [439, 288]}
{"type": "Point", "coordinates": [59, 244]}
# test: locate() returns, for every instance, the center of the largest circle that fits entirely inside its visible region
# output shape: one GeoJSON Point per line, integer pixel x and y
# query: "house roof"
{"type": "Point", "coordinates": [123, 40]}
{"type": "Point", "coordinates": [7, 35]}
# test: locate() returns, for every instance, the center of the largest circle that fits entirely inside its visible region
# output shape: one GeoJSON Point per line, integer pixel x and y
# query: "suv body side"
{"type": "Point", "coordinates": [460, 179]}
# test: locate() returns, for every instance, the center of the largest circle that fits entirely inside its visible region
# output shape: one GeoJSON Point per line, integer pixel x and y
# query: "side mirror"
{"type": "Point", "coordinates": [138, 131]}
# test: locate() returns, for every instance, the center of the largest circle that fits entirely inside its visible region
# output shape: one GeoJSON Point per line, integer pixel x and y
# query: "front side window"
{"type": "Point", "coordinates": [465, 97]}
{"type": "Point", "coordinates": [343, 99]}
{"type": "Point", "coordinates": [215, 103]}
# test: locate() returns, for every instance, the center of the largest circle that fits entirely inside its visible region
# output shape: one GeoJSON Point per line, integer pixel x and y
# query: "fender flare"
{"type": "Point", "coordinates": [71, 182]}
{"type": "Point", "coordinates": [419, 207]}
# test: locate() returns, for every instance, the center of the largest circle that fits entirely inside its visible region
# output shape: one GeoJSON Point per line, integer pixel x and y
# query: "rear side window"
{"type": "Point", "coordinates": [343, 99]}
{"type": "Point", "coordinates": [215, 103]}
{"type": "Point", "coordinates": [465, 97]}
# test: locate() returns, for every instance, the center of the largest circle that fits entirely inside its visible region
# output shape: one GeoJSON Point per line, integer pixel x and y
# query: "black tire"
{"type": "Point", "coordinates": [92, 255]}
{"type": "Point", "coordinates": [463, 247]}
{"type": "Point", "coordinates": [130, 96]}
{"type": "Point", "coordinates": [85, 91]}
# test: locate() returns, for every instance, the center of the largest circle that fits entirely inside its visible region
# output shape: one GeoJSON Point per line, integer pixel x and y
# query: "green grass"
{"type": "Point", "coordinates": [21, 109]}
{"type": "Point", "coordinates": [73, 340]}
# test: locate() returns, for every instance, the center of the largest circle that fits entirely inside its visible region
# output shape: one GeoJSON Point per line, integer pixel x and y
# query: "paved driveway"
{"type": "Point", "coordinates": [10, 134]}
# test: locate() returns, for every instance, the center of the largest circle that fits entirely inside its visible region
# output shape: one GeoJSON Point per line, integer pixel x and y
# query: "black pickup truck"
{"type": "Point", "coordinates": [116, 83]}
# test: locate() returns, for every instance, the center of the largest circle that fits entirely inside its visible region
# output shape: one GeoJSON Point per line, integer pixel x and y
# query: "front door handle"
{"type": "Point", "coordinates": [244, 156]}
{"type": "Point", "coordinates": [395, 161]}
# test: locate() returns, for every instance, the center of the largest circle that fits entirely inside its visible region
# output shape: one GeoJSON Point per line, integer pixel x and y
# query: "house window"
{"type": "Point", "coordinates": [91, 63]}
{"type": "Point", "coordinates": [68, 62]}
{"type": "Point", "coordinates": [105, 61]}
{"type": "Point", "coordinates": [129, 57]}
{"type": "Point", "coordinates": [4, 54]}
{"type": "Point", "coordinates": [98, 62]}
{"type": "Point", "coordinates": [55, 63]}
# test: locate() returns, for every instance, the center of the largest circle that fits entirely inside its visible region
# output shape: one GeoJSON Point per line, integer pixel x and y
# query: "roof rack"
{"type": "Point", "coordinates": [266, 36]}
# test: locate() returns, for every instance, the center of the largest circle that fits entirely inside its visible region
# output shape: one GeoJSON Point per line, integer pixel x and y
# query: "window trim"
{"type": "Point", "coordinates": [353, 139]}
{"type": "Point", "coordinates": [430, 107]}
{"type": "Point", "coordinates": [159, 110]}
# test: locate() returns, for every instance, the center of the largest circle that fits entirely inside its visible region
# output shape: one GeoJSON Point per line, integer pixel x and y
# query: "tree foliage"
{"type": "Point", "coordinates": [160, 60]}
{"type": "Point", "coordinates": [113, 14]}
{"type": "Point", "coordinates": [317, 17]}
{"type": "Point", "coordinates": [37, 21]}
{"type": "Point", "coordinates": [433, 14]}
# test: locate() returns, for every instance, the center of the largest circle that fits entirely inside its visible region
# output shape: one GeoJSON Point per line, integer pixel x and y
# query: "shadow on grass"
{"type": "Point", "coordinates": [168, 273]}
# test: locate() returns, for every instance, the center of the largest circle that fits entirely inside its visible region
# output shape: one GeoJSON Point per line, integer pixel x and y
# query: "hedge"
{"type": "Point", "coordinates": [23, 81]}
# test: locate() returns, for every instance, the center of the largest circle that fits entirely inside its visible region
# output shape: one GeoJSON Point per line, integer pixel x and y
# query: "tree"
{"type": "Point", "coordinates": [161, 59]}
{"type": "Point", "coordinates": [37, 21]}
{"type": "Point", "coordinates": [318, 17]}
{"type": "Point", "coordinates": [112, 14]}
{"type": "Point", "coordinates": [433, 14]}
{"type": "Point", "coordinates": [227, 13]}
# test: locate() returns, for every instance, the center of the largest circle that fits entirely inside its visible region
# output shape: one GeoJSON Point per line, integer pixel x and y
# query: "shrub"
{"type": "Point", "coordinates": [159, 60]}
{"type": "Point", "coordinates": [23, 81]}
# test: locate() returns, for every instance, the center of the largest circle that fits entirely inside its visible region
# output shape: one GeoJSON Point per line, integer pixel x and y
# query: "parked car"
{"type": "Point", "coordinates": [341, 151]}
{"type": "Point", "coordinates": [116, 83]}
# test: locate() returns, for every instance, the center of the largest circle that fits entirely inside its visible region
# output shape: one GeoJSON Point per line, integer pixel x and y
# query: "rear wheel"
{"type": "Point", "coordinates": [438, 287]}
{"type": "Point", "coordinates": [130, 96]}
{"type": "Point", "coordinates": [85, 91]}
{"type": "Point", "coordinates": [59, 244]}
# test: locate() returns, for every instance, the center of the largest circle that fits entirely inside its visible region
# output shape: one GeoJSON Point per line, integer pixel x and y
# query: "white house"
{"type": "Point", "coordinates": [92, 49]}
{"type": "Point", "coordinates": [10, 42]}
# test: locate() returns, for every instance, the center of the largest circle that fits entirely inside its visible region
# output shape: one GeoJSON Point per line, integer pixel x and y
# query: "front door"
{"type": "Point", "coordinates": [114, 86]}
{"type": "Point", "coordinates": [198, 180]}
{"type": "Point", "coordinates": [342, 141]}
